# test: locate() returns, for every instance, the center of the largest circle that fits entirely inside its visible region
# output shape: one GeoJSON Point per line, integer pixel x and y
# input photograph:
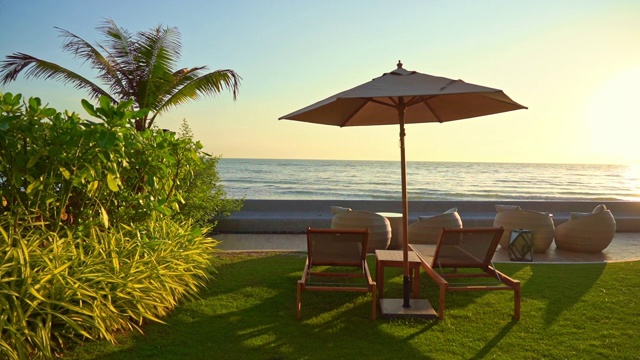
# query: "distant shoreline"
{"type": "Point", "coordinates": [222, 158]}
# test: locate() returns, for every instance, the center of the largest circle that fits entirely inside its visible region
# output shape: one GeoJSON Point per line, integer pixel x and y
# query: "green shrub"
{"type": "Point", "coordinates": [59, 288]}
{"type": "Point", "coordinates": [75, 172]}
{"type": "Point", "coordinates": [69, 170]}
{"type": "Point", "coordinates": [90, 238]}
{"type": "Point", "coordinates": [205, 200]}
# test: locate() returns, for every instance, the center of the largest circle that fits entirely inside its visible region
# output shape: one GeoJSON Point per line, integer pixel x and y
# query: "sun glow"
{"type": "Point", "coordinates": [614, 119]}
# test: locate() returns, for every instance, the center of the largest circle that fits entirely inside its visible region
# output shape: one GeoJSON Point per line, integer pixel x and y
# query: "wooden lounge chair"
{"type": "Point", "coordinates": [469, 248]}
{"type": "Point", "coordinates": [329, 250]}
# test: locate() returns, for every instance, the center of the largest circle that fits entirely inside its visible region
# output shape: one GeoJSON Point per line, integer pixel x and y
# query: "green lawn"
{"type": "Point", "coordinates": [248, 312]}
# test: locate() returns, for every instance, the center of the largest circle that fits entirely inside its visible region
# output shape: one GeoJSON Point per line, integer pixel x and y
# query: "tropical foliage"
{"type": "Point", "coordinates": [58, 288]}
{"type": "Point", "coordinates": [205, 199]}
{"type": "Point", "coordinates": [141, 67]}
{"type": "Point", "coordinates": [90, 239]}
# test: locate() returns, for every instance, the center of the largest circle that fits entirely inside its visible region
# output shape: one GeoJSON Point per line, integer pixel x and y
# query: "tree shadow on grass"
{"type": "Point", "coordinates": [248, 312]}
{"type": "Point", "coordinates": [486, 349]}
{"type": "Point", "coordinates": [468, 302]}
{"type": "Point", "coordinates": [559, 286]}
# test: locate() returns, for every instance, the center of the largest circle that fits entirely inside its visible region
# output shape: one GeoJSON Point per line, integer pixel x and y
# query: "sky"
{"type": "Point", "coordinates": [574, 63]}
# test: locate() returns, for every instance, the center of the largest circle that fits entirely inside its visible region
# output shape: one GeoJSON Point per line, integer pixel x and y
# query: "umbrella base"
{"type": "Point", "coordinates": [420, 308]}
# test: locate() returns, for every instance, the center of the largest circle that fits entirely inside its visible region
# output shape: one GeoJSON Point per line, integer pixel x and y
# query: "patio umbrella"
{"type": "Point", "coordinates": [406, 97]}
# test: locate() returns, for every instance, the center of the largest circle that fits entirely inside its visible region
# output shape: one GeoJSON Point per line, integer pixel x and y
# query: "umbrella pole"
{"type": "Point", "coordinates": [405, 210]}
{"type": "Point", "coordinates": [405, 307]}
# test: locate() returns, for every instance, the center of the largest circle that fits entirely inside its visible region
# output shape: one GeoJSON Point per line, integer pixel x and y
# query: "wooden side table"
{"type": "Point", "coordinates": [393, 258]}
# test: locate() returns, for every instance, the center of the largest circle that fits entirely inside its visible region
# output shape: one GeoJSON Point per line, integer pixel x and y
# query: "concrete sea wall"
{"type": "Point", "coordinates": [294, 216]}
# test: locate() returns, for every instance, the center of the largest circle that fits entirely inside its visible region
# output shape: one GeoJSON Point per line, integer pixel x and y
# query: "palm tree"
{"type": "Point", "coordinates": [139, 67]}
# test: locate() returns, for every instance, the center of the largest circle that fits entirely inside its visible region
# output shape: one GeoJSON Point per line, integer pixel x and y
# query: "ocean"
{"type": "Point", "coordinates": [266, 179]}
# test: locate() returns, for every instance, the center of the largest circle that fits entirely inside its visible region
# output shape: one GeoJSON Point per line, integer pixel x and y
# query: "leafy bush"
{"type": "Point", "coordinates": [91, 240]}
{"type": "Point", "coordinates": [80, 173]}
{"type": "Point", "coordinates": [205, 200]}
{"type": "Point", "coordinates": [56, 288]}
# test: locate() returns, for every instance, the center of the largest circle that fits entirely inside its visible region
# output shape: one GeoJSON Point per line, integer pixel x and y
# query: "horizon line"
{"type": "Point", "coordinates": [426, 161]}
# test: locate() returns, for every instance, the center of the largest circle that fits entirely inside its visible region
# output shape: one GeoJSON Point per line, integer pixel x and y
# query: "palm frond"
{"type": "Point", "coordinates": [120, 42]}
{"type": "Point", "coordinates": [141, 67]}
{"type": "Point", "coordinates": [210, 84]}
{"type": "Point", "coordinates": [167, 39]}
{"type": "Point", "coordinates": [122, 84]}
{"type": "Point", "coordinates": [41, 69]}
{"type": "Point", "coordinates": [179, 79]}
{"type": "Point", "coordinates": [107, 67]}
{"type": "Point", "coordinates": [158, 50]}
{"type": "Point", "coordinates": [120, 47]}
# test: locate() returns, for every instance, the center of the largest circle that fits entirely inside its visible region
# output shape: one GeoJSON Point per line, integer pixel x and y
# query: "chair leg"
{"type": "Point", "coordinates": [443, 292]}
{"type": "Point", "coordinates": [416, 282]}
{"type": "Point", "coordinates": [517, 297]}
{"type": "Point", "coordinates": [380, 277]}
{"type": "Point", "coordinates": [374, 304]}
{"type": "Point", "coordinates": [299, 300]}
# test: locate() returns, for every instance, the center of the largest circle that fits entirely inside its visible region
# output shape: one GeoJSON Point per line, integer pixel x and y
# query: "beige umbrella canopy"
{"type": "Point", "coordinates": [406, 97]}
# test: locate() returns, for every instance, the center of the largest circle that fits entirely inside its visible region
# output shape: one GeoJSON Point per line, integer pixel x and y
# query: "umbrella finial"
{"type": "Point", "coordinates": [399, 64]}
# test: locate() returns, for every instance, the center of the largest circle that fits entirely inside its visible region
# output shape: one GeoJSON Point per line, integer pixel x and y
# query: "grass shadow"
{"type": "Point", "coordinates": [467, 302]}
{"type": "Point", "coordinates": [491, 344]}
{"type": "Point", "coordinates": [559, 286]}
{"type": "Point", "coordinates": [246, 314]}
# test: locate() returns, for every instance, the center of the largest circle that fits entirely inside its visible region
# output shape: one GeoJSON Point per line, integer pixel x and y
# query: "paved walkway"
{"type": "Point", "coordinates": [624, 247]}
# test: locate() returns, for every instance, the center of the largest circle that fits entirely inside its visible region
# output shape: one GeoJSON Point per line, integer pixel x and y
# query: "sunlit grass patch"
{"type": "Point", "coordinates": [568, 311]}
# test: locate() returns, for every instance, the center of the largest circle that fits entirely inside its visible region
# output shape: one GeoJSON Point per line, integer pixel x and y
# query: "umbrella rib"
{"type": "Point", "coordinates": [384, 103]}
{"type": "Point", "coordinates": [451, 82]}
{"type": "Point", "coordinates": [418, 99]}
{"type": "Point", "coordinates": [426, 103]}
{"type": "Point", "coordinates": [414, 100]}
{"type": "Point", "coordinates": [346, 121]}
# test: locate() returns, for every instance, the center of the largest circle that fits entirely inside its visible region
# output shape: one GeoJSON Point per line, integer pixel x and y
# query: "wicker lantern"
{"type": "Point", "coordinates": [521, 245]}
